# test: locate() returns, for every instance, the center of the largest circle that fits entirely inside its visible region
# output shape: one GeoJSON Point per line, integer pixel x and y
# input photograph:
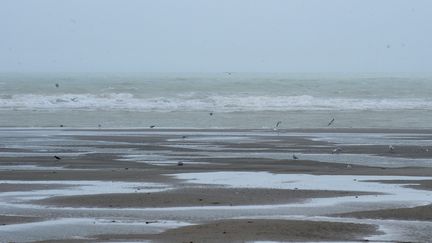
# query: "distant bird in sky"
{"type": "Point", "coordinates": [294, 156]}
{"type": "Point", "coordinates": [56, 157]}
{"type": "Point", "coordinates": [57, 85]}
{"type": "Point", "coordinates": [331, 122]}
{"type": "Point", "coordinates": [211, 113]}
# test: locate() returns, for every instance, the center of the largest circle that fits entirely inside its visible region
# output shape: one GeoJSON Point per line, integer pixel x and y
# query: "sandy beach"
{"type": "Point", "coordinates": [214, 185]}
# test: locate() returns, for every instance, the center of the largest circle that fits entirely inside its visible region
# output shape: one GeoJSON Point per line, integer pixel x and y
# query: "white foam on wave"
{"type": "Point", "coordinates": [220, 103]}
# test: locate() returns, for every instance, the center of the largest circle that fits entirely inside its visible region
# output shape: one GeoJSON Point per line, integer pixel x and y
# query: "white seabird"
{"type": "Point", "coordinates": [336, 150]}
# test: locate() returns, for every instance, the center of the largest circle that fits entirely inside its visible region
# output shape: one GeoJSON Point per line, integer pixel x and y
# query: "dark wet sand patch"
{"type": "Point", "coordinates": [119, 174]}
{"type": "Point", "coordinates": [242, 230]}
{"type": "Point", "coordinates": [14, 219]}
{"type": "Point", "coordinates": [11, 187]}
{"type": "Point", "coordinates": [196, 196]}
{"type": "Point", "coordinates": [423, 213]}
{"type": "Point", "coordinates": [415, 184]}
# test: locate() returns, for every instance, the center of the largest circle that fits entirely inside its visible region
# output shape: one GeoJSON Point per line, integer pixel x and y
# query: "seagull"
{"type": "Point", "coordinates": [277, 125]}
{"type": "Point", "coordinates": [294, 156]}
{"type": "Point", "coordinates": [331, 122]}
{"type": "Point", "coordinates": [57, 85]}
{"type": "Point", "coordinates": [348, 166]}
{"type": "Point", "coordinates": [180, 163]}
{"type": "Point", "coordinates": [152, 126]}
{"type": "Point", "coordinates": [211, 113]}
{"type": "Point", "coordinates": [336, 150]}
{"type": "Point", "coordinates": [391, 149]}
{"type": "Point", "coordinates": [56, 157]}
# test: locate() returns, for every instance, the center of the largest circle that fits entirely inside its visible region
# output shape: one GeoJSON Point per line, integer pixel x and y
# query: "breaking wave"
{"type": "Point", "coordinates": [220, 103]}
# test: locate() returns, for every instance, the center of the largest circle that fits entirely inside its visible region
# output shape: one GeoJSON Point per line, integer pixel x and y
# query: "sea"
{"type": "Point", "coordinates": [215, 100]}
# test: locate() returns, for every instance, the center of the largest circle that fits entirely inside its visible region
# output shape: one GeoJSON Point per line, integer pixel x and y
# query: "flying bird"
{"type": "Point", "coordinates": [56, 157]}
{"type": "Point", "coordinates": [331, 122]}
{"type": "Point", "coordinates": [57, 85]}
{"type": "Point", "coordinates": [152, 126]}
{"type": "Point", "coordinates": [277, 125]}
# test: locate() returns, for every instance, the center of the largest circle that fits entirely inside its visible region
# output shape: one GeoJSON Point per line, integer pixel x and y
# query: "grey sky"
{"type": "Point", "coordinates": [213, 36]}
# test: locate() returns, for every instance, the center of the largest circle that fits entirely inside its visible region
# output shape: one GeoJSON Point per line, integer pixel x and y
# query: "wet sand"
{"type": "Point", "coordinates": [203, 196]}
{"type": "Point", "coordinates": [258, 230]}
{"type": "Point", "coordinates": [423, 213]}
{"type": "Point", "coordinates": [152, 156]}
{"type": "Point", "coordinates": [10, 187]}
{"type": "Point", "coordinates": [13, 219]}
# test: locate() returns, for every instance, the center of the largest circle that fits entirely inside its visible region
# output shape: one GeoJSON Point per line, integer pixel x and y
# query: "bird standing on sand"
{"type": "Point", "coordinates": [336, 150]}
{"type": "Point", "coordinates": [331, 122]}
{"type": "Point", "coordinates": [391, 149]}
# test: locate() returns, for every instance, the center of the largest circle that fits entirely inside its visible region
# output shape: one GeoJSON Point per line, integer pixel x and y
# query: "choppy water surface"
{"type": "Point", "coordinates": [235, 99]}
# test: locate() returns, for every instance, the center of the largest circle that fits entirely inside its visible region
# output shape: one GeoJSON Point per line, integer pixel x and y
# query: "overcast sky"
{"type": "Point", "coordinates": [216, 36]}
